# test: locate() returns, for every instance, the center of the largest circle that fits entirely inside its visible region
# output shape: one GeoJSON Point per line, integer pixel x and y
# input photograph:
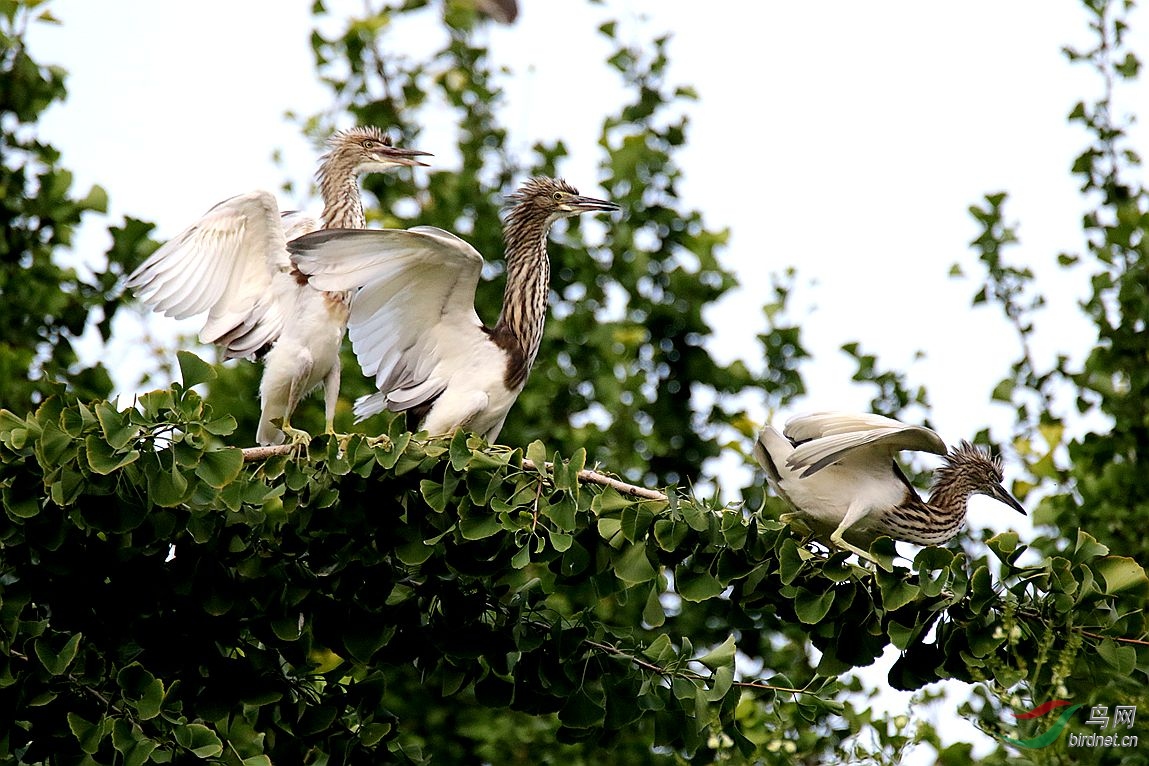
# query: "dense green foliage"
{"type": "Point", "coordinates": [314, 602]}
{"type": "Point", "coordinates": [399, 599]}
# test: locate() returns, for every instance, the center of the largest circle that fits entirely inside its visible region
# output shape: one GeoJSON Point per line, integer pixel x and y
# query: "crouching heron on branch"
{"type": "Point", "coordinates": [837, 471]}
{"type": "Point", "coordinates": [413, 324]}
{"type": "Point", "coordinates": [234, 265]}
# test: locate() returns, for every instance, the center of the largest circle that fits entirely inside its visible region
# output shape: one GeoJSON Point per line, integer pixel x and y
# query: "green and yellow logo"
{"type": "Point", "coordinates": [1054, 731]}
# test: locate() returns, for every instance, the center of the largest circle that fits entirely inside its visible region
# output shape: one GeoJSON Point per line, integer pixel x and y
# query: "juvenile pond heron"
{"type": "Point", "coordinates": [234, 265]}
{"type": "Point", "coordinates": [413, 324]}
{"type": "Point", "coordinates": [837, 471]}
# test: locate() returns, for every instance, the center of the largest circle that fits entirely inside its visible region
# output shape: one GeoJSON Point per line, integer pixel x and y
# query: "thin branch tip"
{"type": "Point", "coordinates": [594, 477]}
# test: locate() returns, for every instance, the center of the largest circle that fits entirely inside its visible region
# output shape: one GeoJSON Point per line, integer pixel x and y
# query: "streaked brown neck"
{"type": "Point", "coordinates": [927, 523]}
{"type": "Point", "coordinates": [950, 498]}
{"type": "Point", "coordinates": [342, 203]}
{"type": "Point", "coordinates": [519, 330]}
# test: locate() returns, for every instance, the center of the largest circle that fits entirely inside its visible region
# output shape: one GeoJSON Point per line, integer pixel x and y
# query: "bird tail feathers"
{"type": "Point", "coordinates": [770, 450]}
{"type": "Point", "coordinates": [371, 404]}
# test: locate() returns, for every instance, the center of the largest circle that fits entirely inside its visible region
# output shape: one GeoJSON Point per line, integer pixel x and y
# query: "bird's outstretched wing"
{"type": "Point", "coordinates": [414, 309]}
{"type": "Point", "coordinates": [233, 265]}
{"type": "Point", "coordinates": [824, 438]}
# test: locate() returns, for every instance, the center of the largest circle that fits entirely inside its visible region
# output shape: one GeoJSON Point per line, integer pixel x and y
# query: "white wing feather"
{"type": "Point", "coordinates": [414, 307]}
{"type": "Point", "coordinates": [233, 265]}
{"type": "Point", "coordinates": [829, 437]}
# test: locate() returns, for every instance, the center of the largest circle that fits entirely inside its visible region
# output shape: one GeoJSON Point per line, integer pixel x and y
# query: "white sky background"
{"type": "Point", "coordinates": [845, 139]}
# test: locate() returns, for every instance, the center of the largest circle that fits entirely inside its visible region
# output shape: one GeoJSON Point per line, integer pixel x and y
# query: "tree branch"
{"type": "Point", "coordinates": [594, 477]}
{"type": "Point", "coordinates": [688, 674]}
{"type": "Point", "coordinates": [1120, 639]}
{"type": "Point", "coordinates": [251, 454]}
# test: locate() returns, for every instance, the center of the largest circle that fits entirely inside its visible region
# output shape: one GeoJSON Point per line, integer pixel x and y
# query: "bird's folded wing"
{"type": "Point", "coordinates": [415, 301]}
{"type": "Point", "coordinates": [814, 425]}
{"type": "Point", "coordinates": [231, 264]}
{"type": "Point", "coordinates": [827, 437]}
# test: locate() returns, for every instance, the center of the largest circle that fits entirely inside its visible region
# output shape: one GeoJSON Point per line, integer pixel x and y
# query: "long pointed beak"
{"type": "Point", "coordinates": [583, 204]}
{"type": "Point", "coordinates": [398, 156]}
{"type": "Point", "coordinates": [1001, 494]}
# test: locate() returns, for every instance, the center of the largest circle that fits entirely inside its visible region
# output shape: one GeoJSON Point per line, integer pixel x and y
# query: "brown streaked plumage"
{"type": "Point", "coordinates": [233, 264]}
{"type": "Point", "coordinates": [413, 323]}
{"type": "Point", "coordinates": [837, 470]}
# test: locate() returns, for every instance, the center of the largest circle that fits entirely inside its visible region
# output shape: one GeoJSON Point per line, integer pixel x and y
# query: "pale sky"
{"type": "Point", "coordinates": [845, 139]}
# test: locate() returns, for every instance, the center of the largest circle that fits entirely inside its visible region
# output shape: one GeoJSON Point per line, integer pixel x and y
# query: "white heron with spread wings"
{"type": "Point", "coordinates": [413, 324]}
{"type": "Point", "coordinates": [233, 265]}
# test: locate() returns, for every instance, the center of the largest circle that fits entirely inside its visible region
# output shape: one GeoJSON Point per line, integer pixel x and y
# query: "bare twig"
{"type": "Point", "coordinates": [1090, 634]}
{"type": "Point", "coordinates": [769, 687]}
{"type": "Point", "coordinates": [688, 674]}
{"type": "Point", "coordinates": [1120, 639]}
{"type": "Point", "coordinates": [594, 477]}
{"type": "Point", "coordinates": [644, 664]}
{"type": "Point", "coordinates": [251, 454]}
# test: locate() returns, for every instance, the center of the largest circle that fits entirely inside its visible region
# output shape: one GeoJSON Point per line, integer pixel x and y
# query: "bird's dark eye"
{"type": "Point", "coordinates": [557, 196]}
